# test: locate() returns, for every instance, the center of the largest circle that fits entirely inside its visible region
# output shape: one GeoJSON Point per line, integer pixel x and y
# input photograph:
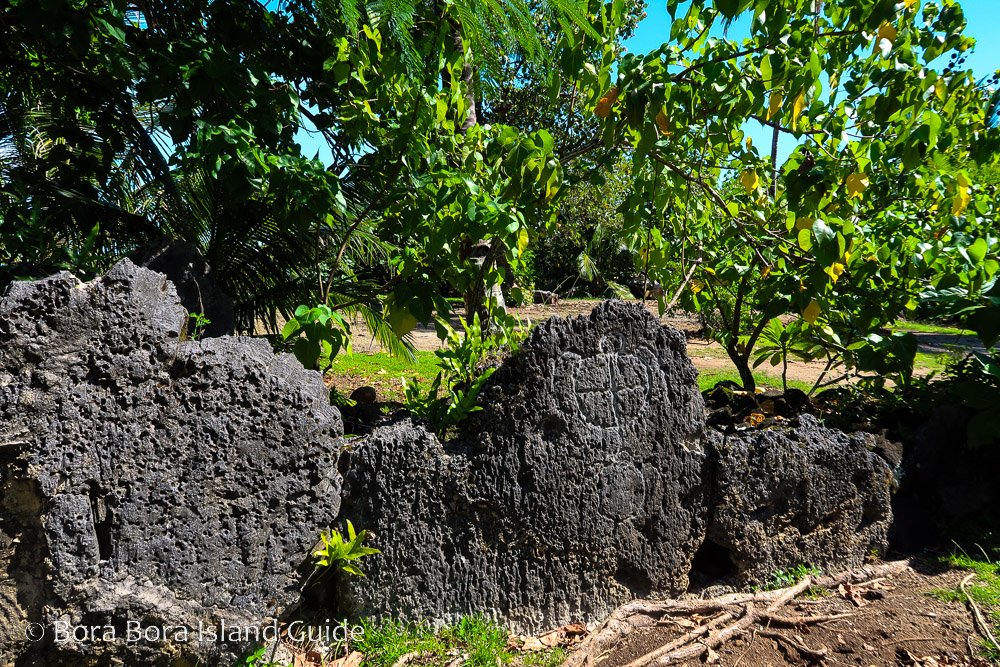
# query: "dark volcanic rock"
{"type": "Point", "coordinates": [579, 486]}
{"type": "Point", "coordinates": [801, 496]}
{"type": "Point", "coordinates": [147, 479]}
{"type": "Point", "coordinates": [183, 265]}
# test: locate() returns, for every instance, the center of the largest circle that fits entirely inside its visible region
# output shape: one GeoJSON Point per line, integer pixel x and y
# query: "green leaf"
{"type": "Point", "coordinates": [977, 251]}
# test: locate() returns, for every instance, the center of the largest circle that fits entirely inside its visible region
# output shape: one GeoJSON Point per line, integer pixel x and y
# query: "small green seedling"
{"type": "Point", "coordinates": [336, 552]}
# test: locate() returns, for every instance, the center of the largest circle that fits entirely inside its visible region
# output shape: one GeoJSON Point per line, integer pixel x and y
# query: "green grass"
{"type": "Point", "coordinates": [931, 361]}
{"type": "Point", "coordinates": [482, 641]}
{"type": "Point", "coordinates": [790, 577]}
{"type": "Point", "coordinates": [929, 327]}
{"type": "Point", "coordinates": [708, 379]}
{"type": "Point", "coordinates": [382, 371]}
{"type": "Point", "coordinates": [382, 363]}
{"type": "Point", "coordinates": [984, 589]}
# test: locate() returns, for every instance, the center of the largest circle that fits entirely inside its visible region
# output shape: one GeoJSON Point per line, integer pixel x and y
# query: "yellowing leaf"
{"type": "Point", "coordinates": [811, 312]}
{"type": "Point", "coordinates": [765, 272]}
{"type": "Point", "coordinates": [885, 38]}
{"type": "Point", "coordinates": [847, 258]}
{"type": "Point", "coordinates": [749, 143]}
{"type": "Point", "coordinates": [603, 107]}
{"type": "Point", "coordinates": [522, 240]}
{"type": "Point", "coordinates": [797, 106]}
{"type": "Point", "coordinates": [661, 123]}
{"type": "Point", "coordinates": [962, 197]}
{"type": "Point", "coordinates": [774, 104]}
{"type": "Point", "coordinates": [887, 31]}
{"type": "Point", "coordinates": [940, 89]}
{"type": "Point", "coordinates": [754, 418]}
{"type": "Point", "coordinates": [856, 185]}
{"type": "Point", "coordinates": [697, 285]}
{"type": "Point", "coordinates": [912, 4]}
{"type": "Point", "coordinates": [804, 223]}
{"type": "Point", "coordinates": [749, 180]}
{"type": "Point", "coordinates": [835, 271]}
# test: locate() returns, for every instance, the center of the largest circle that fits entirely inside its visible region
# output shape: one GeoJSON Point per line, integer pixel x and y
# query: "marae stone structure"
{"type": "Point", "coordinates": [171, 481]}
{"type": "Point", "coordinates": [580, 485]}
{"type": "Point", "coordinates": [147, 478]}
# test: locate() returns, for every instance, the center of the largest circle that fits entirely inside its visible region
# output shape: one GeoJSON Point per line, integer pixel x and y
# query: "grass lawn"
{"type": "Point", "coordinates": [382, 371]}
{"type": "Point", "coordinates": [708, 379]}
{"type": "Point", "coordinates": [929, 327]}
{"type": "Point", "coordinates": [984, 588]}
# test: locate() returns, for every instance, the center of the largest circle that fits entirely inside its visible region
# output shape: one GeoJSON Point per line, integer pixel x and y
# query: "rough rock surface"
{"type": "Point", "coordinates": [149, 479]}
{"type": "Point", "coordinates": [579, 486]}
{"type": "Point", "coordinates": [807, 495]}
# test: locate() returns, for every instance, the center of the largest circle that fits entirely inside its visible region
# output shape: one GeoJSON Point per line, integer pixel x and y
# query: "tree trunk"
{"type": "Point", "coordinates": [468, 77]}
{"type": "Point", "coordinates": [742, 363]}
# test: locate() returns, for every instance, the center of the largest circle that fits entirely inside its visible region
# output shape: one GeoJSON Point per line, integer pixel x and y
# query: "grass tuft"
{"type": "Point", "coordinates": [790, 577]}
{"type": "Point", "coordinates": [984, 589]}
{"type": "Point", "coordinates": [479, 641]}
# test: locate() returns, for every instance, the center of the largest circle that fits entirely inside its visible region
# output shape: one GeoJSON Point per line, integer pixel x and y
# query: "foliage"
{"type": "Point", "coordinates": [196, 324]}
{"type": "Point", "coordinates": [786, 578]}
{"type": "Point", "coordinates": [866, 213]}
{"type": "Point", "coordinates": [975, 383]}
{"type": "Point", "coordinates": [319, 334]}
{"type": "Point", "coordinates": [466, 364]}
{"type": "Point", "coordinates": [582, 252]}
{"type": "Point", "coordinates": [339, 553]}
{"type": "Point", "coordinates": [778, 342]}
{"type": "Point", "coordinates": [121, 126]}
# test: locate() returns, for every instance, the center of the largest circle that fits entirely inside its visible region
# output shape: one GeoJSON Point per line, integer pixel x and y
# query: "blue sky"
{"type": "Point", "coordinates": [983, 18]}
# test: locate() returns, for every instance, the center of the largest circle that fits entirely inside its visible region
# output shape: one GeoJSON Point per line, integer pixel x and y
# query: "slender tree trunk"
{"type": "Point", "coordinates": [468, 77]}
{"type": "Point", "coordinates": [742, 363]}
{"type": "Point", "coordinates": [774, 163]}
{"type": "Point", "coordinates": [475, 296]}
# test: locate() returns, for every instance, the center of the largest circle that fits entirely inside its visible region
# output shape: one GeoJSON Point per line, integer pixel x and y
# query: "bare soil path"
{"type": "Point", "coordinates": [891, 620]}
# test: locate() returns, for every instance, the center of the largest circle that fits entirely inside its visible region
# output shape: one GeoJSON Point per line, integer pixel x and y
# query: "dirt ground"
{"type": "Point", "coordinates": [897, 623]}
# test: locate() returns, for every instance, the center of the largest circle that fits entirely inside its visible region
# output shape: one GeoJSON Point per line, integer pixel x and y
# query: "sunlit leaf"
{"type": "Point", "coordinates": [811, 312]}
{"type": "Point", "coordinates": [603, 108]}
{"type": "Point", "coordinates": [774, 104]}
{"type": "Point", "coordinates": [856, 185]}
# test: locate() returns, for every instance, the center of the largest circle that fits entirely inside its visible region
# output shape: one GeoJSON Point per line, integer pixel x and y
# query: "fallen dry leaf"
{"type": "Point", "coordinates": [352, 659]}
{"type": "Point", "coordinates": [848, 592]}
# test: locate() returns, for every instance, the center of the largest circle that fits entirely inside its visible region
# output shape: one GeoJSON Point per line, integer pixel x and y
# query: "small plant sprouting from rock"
{"type": "Point", "coordinates": [465, 367]}
{"type": "Point", "coordinates": [259, 659]}
{"type": "Point", "coordinates": [790, 577]}
{"type": "Point", "coordinates": [194, 326]}
{"type": "Point", "coordinates": [340, 553]}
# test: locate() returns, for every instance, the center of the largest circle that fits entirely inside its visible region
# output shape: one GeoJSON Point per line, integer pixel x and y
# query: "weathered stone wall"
{"type": "Point", "coordinates": [146, 478]}
{"type": "Point", "coordinates": [580, 485]}
{"type": "Point", "coordinates": [806, 495]}
{"type": "Point", "coordinates": [170, 482]}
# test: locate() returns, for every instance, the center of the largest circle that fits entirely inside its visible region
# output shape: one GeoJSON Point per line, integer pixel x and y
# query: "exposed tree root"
{"type": "Point", "coordinates": [730, 616]}
{"type": "Point", "coordinates": [981, 625]}
{"type": "Point", "coordinates": [812, 654]}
